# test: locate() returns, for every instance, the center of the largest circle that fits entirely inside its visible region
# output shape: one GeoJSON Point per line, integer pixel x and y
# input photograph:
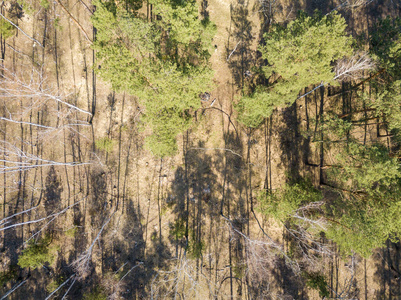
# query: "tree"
{"type": "Point", "coordinates": [365, 222]}
{"type": "Point", "coordinates": [300, 208]}
{"type": "Point", "coordinates": [164, 63]}
{"type": "Point", "coordinates": [82, 264]}
{"type": "Point", "coordinates": [385, 45]}
{"type": "Point", "coordinates": [368, 168]}
{"type": "Point", "coordinates": [358, 222]}
{"type": "Point", "coordinates": [182, 280]}
{"type": "Point", "coordinates": [6, 29]}
{"type": "Point", "coordinates": [297, 55]}
{"type": "Point", "coordinates": [96, 294]}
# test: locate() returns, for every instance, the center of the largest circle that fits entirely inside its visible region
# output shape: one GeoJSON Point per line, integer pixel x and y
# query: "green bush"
{"type": "Point", "coordinates": [195, 249]}
{"type": "Point", "coordinates": [283, 203]}
{"type": "Point", "coordinates": [37, 254]}
{"type": "Point", "coordinates": [9, 275]}
{"type": "Point", "coordinates": [177, 230]}
{"type": "Point", "coordinates": [96, 294]}
{"type": "Point", "coordinates": [105, 144]}
{"type": "Point", "coordinates": [317, 281]}
{"type": "Point", "coordinates": [45, 4]}
{"type": "Point", "coordinates": [6, 29]}
{"type": "Point", "coordinates": [71, 232]}
{"type": "Point", "coordinates": [54, 284]}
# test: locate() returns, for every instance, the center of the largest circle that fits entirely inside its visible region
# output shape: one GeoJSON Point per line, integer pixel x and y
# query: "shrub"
{"type": "Point", "coordinates": [105, 144]}
{"type": "Point", "coordinates": [37, 254]}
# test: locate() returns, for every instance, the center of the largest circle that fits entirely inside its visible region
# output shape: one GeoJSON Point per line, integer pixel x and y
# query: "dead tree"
{"type": "Point", "coordinates": [52, 216]}
{"type": "Point", "coordinates": [352, 68]}
{"type": "Point", "coordinates": [59, 287]}
{"type": "Point", "coordinates": [182, 281]}
{"type": "Point", "coordinates": [18, 160]}
{"type": "Point", "coordinates": [13, 289]}
{"type": "Point", "coordinates": [82, 264]}
{"type": "Point", "coordinates": [355, 3]}
{"type": "Point", "coordinates": [349, 69]}
{"type": "Point", "coordinates": [35, 88]}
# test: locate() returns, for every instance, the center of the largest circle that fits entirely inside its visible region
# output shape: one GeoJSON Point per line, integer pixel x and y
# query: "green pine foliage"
{"type": "Point", "coordinates": [318, 282]}
{"type": "Point", "coordinates": [386, 103]}
{"type": "Point", "coordinates": [366, 222]}
{"type": "Point", "coordinates": [9, 275]}
{"type": "Point", "coordinates": [299, 54]}
{"type": "Point", "coordinates": [385, 45]}
{"type": "Point", "coordinates": [282, 204]}
{"type": "Point", "coordinates": [37, 254]}
{"type": "Point", "coordinates": [105, 144]}
{"type": "Point", "coordinates": [6, 29]}
{"type": "Point", "coordinates": [367, 168]}
{"type": "Point", "coordinates": [54, 284]}
{"type": "Point", "coordinates": [164, 63]}
{"type": "Point", "coordinates": [96, 294]}
{"type": "Point", "coordinates": [357, 223]}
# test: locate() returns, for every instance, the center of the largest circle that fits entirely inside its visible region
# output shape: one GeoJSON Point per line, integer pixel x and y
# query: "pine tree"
{"type": "Point", "coordinates": [164, 63]}
{"type": "Point", "coordinates": [297, 55]}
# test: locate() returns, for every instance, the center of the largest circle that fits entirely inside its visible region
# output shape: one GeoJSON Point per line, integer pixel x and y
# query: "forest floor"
{"type": "Point", "coordinates": [214, 179]}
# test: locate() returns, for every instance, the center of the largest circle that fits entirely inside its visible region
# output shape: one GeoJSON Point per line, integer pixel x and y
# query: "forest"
{"type": "Point", "coordinates": [211, 149]}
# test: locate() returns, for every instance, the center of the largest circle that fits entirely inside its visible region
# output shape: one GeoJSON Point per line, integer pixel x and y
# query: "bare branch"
{"type": "Point", "coordinates": [23, 32]}
{"type": "Point", "coordinates": [352, 68]}
{"type": "Point", "coordinates": [18, 160]}
{"type": "Point", "coordinates": [182, 280]}
{"type": "Point", "coordinates": [355, 3]}
{"type": "Point", "coordinates": [75, 21]}
{"type": "Point", "coordinates": [14, 86]}
{"type": "Point", "coordinates": [3, 221]}
{"type": "Point", "coordinates": [235, 48]}
{"type": "Point", "coordinates": [223, 149]}
{"type": "Point", "coordinates": [44, 226]}
{"type": "Point", "coordinates": [59, 287]}
{"type": "Point", "coordinates": [13, 289]}
{"type": "Point", "coordinates": [75, 279]}
{"type": "Point", "coordinates": [41, 219]}
{"type": "Point", "coordinates": [81, 264]}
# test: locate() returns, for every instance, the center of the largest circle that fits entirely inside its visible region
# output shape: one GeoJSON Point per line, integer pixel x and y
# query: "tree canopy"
{"type": "Point", "coordinates": [164, 63]}
{"type": "Point", "coordinates": [298, 55]}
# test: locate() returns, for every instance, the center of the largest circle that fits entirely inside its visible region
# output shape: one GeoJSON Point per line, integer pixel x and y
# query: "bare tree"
{"type": "Point", "coordinates": [114, 286]}
{"type": "Point", "coordinates": [182, 281]}
{"type": "Point", "coordinates": [260, 254]}
{"type": "Point", "coordinates": [59, 287]}
{"type": "Point", "coordinates": [267, 7]}
{"type": "Point", "coordinates": [82, 263]}
{"type": "Point", "coordinates": [19, 28]}
{"type": "Point", "coordinates": [6, 219]}
{"type": "Point", "coordinates": [35, 88]}
{"type": "Point", "coordinates": [53, 216]}
{"type": "Point", "coordinates": [348, 69]}
{"type": "Point", "coordinates": [18, 160]}
{"type": "Point", "coordinates": [355, 3]}
{"type": "Point", "coordinates": [350, 4]}
{"type": "Point", "coordinates": [13, 289]}
{"type": "Point", "coordinates": [352, 68]}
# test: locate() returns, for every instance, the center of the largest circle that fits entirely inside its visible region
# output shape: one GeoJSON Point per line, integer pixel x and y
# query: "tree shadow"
{"type": "Point", "coordinates": [198, 198]}
{"type": "Point", "coordinates": [292, 144]}
{"type": "Point", "coordinates": [240, 57]}
{"type": "Point", "coordinates": [192, 198]}
{"type": "Point", "coordinates": [292, 285]}
{"type": "Point", "coordinates": [53, 190]}
{"type": "Point", "coordinates": [388, 273]}
{"type": "Point", "coordinates": [125, 255]}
